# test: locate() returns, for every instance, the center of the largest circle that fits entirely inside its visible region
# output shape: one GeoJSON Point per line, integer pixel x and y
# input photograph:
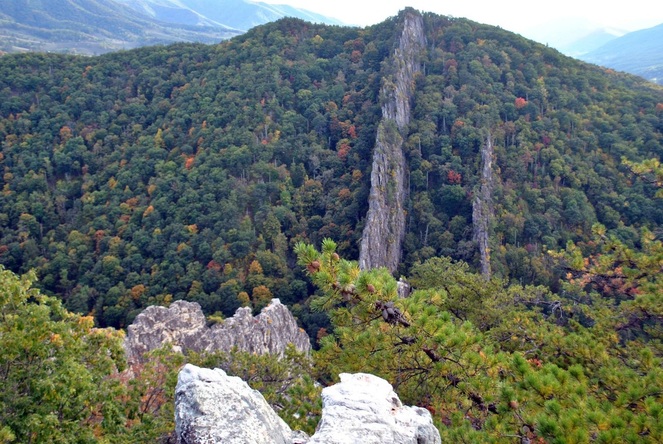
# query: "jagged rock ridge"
{"type": "Point", "coordinates": [385, 222]}
{"type": "Point", "coordinates": [184, 326]}
{"type": "Point", "coordinates": [211, 406]}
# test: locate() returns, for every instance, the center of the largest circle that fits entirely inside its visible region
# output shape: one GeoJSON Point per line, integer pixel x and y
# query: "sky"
{"type": "Point", "coordinates": [527, 17]}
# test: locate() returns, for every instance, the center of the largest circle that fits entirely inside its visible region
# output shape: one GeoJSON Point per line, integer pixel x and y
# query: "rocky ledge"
{"type": "Point", "coordinates": [183, 325]}
{"type": "Point", "coordinates": [212, 407]}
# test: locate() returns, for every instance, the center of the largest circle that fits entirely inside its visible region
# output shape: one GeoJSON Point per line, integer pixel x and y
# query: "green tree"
{"type": "Point", "coordinates": [650, 171]}
{"type": "Point", "coordinates": [527, 371]}
{"type": "Point", "coordinates": [55, 369]}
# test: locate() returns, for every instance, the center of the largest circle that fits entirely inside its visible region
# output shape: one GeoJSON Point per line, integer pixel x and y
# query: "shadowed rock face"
{"type": "Point", "coordinates": [184, 326]}
{"type": "Point", "coordinates": [211, 407]}
{"type": "Point", "coordinates": [385, 222]}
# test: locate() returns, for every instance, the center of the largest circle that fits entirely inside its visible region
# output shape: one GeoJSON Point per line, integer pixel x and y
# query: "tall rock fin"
{"type": "Point", "coordinates": [384, 232]}
{"type": "Point", "coordinates": [482, 208]}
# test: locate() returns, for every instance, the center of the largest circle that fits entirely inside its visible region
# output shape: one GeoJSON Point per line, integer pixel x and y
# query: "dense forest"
{"type": "Point", "coordinates": [189, 171]}
{"type": "Point", "coordinates": [215, 174]}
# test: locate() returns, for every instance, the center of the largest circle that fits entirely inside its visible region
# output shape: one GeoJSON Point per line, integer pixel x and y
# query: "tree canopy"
{"type": "Point", "coordinates": [164, 173]}
{"type": "Point", "coordinates": [54, 368]}
{"type": "Point", "coordinates": [492, 362]}
{"type": "Point", "coordinates": [229, 174]}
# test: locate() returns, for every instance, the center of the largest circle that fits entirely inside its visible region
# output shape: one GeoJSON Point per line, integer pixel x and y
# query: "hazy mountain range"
{"type": "Point", "coordinates": [238, 14]}
{"type": "Point", "coordinates": [574, 36]}
{"type": "Point", "coordinates": [639, 52]}
{"type": "Point", "coordinates": [98, 26]}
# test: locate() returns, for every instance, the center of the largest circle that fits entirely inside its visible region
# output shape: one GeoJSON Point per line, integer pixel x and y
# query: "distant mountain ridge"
{"type": "Point", "coordinates": [169, 11]}
{"type": "Point", "coordinates": [99, 26]}
{"type": "Point", "coordinates": [91, 27]}
{"type": "Point", "coordinates": [639, 52]}
{"type": "Point", "coordinates": [237, 14]}
{"type": "Point", "coordinates": [590, 42]}
{"type": "Point", "coordinates": [574, 36]}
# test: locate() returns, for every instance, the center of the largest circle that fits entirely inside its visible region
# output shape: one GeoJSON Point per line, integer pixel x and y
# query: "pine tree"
{"type": "Point", "coordinates": [528, 370]}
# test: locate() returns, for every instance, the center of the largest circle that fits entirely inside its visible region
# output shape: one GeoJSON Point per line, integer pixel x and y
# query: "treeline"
{"type": "Point", "coordinates": [190, 171]}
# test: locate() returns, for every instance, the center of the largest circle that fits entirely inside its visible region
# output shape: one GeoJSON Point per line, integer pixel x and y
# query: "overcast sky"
{"type": "Point", "coordinates": [521, 16]}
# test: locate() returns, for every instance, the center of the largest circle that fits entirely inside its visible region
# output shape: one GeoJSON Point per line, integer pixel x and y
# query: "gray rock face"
{"type": "Point", "coordinates": [363, 408]}
{"type": "Point", "coordinates": [403, 288]}
{"type": "Point", "coordinates": [482, 208]}
{"type": "Point", "coordinates": [212, 407]}
{"type": "Point", "coordinates": [184, 326]}
{"type": "Point", "coordinates": [385, 222]}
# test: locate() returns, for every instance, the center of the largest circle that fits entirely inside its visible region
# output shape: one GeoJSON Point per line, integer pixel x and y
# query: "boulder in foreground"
{"type": "Point", "coordinates": [363, 408]}
{"type": "Point", "coordinates": [212, 407]}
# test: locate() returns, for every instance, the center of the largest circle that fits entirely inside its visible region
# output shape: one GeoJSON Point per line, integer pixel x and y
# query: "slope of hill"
{"type": "Point", "coordinates": [188, 171]}
{"type": "Point", "coordinates": [91, 27]}
{"type": "Point", "coordinates": [639, 52]}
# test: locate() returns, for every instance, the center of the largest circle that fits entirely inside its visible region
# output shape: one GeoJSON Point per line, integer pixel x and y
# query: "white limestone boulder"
{"type": "Point", "coordinates": [212, 407]}
{"type": "Point", "coordinates": [363, 408]}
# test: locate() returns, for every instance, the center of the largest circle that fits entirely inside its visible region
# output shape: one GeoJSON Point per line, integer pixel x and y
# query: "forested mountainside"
{"type": "Point", "coordinates": [229, 174]}
{"type": "Point", "coordinates": [189, 171]}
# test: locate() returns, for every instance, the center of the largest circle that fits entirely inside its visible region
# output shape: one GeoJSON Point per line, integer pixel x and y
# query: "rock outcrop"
{"type": "Point", "coordinates": [184, 326]}
{"type": "Point", "coordinates": [212, 407]}
{"type": "Point", "coordinates": [384, 232]}
{"type": "Point", "coordinates": [364, 408]}
{"type": "Point", "coordinates": [482, 208]}
{"type": "Point", "coordinates": [403, 288]}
